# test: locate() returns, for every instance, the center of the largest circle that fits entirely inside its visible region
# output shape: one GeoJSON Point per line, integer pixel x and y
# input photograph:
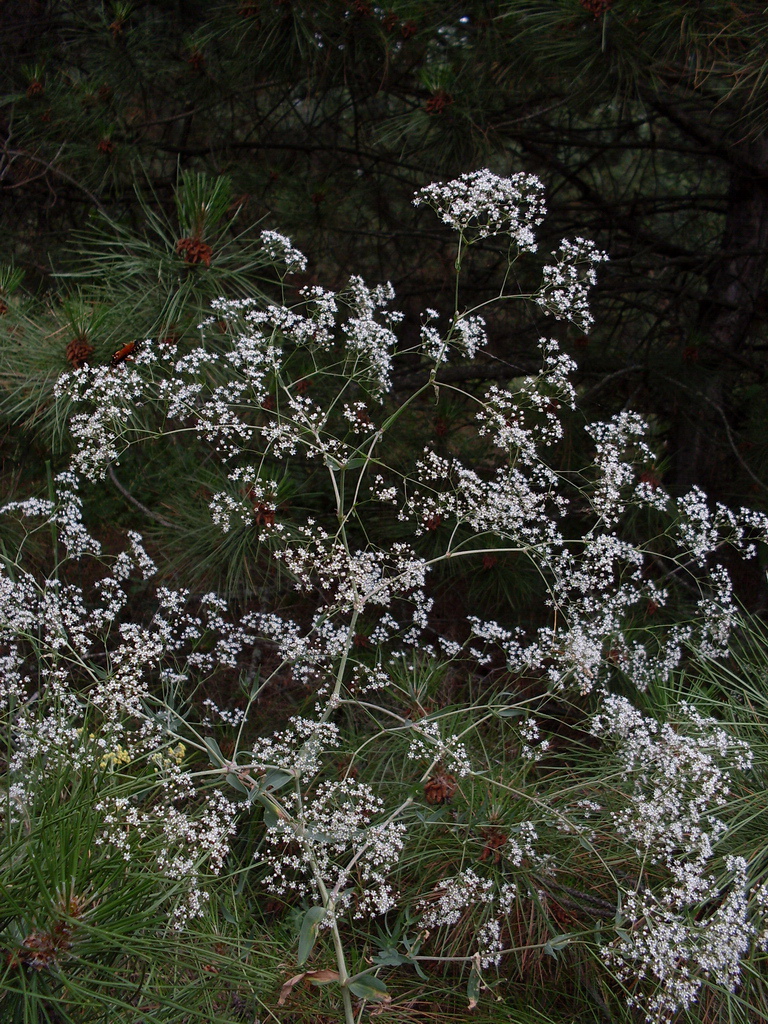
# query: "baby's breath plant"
{"type": "Point", "coordinates": [444, 800]}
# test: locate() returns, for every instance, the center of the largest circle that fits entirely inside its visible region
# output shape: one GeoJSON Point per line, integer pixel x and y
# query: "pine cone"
{"type": "Point", "coordinates": [596, 7]}
{"type": "Point", "coordinates": [194, 251]}
{"type": "Point", "coordinates": [439, 100]}
{"type": "Point", "coordinates": [440, 788]}
{"type": "Point", "coordinates": [79, 352]}
{"type": "Point", "coordinates": [494, 838]}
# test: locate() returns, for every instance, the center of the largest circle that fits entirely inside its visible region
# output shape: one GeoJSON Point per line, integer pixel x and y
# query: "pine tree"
{"type": "Point", "coordinates": [646, 123]}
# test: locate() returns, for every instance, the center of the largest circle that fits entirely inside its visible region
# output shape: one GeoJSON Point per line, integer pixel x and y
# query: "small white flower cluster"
{"type": "Point", "coordinates": [481, 205]}
{"type": "Point", "coordinates": [136, 731]}
{"type": "Point", "coordinates": [467, 334]}
{"type": "Point", "coordinates": [428, 745]}
{"type": "Point", "coordinates": [568, 281]}
{"type": "Point", "coordinates": [333, 838]}
{"type": "Point", "coordinates": [760, 896]}
{"type": "Point", "coordinates": [679, 776]}
{"type": "Point", "coordinates": [280, 247]}
{"type": "Point", "coordinates": [432, 342]}
{"type": "Point", "coordinates": [230, 716]}
{"type": "Point", "coordinates": [472, 334]}
{"type": "Point", "coordinates": [226, 509]}
{"type": "Point", "coordinates": [509, 505]}
{"type": "Point", "coordinates": [458, 898]}
{"type": "Point", "coordinates": [354, 579]}
{"type": "Point", "coordinates": [453, 897]}
{"type": "Point", "coordinates": [702, 530]}
{"type": "Point", "coordinates": [256, 504]}
{"type": "Point", "coordinates": [297, 749]}
{"type": "Point", "coordinates": [66, 513]}
{"type": "Point", "coordinates": [113, 395]}
{"type": "Point", "coordinates": [182, 842]}
{"type": "Point", "coordinates": [677, 952]}
{"type": "Point", "coordinates": [357, 417]}
{"type": "Point", "coordinates": [717, 615]}
{"type": "Point", "coordinates": [521, 844]}
{"type": "Point", "coordinates": [365, 337]}
{"type": "Point", "coordinates": [620, 447]}
{"type": "Point", "coordinates": [311, 654]}
{"type": "Point", "coordinates": [533, 746]}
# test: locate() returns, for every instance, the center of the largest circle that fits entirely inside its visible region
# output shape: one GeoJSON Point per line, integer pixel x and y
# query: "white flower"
{"type": "Point", "coordinates": [280, 247]}
{"type": "Point", "coordinates": [481, 204]}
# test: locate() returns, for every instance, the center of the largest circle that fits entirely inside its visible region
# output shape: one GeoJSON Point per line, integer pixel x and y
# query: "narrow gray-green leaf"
{"type": "Point", "coordinates": [310, 926]}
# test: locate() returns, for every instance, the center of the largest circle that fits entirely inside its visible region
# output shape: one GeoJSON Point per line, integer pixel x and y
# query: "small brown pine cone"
{"type": "Point", "coordinates": [40, 949]}
{"type": "Point", "coordinates": [264, 514]}
{"type": "Point", "coordinates": [440, 788]}
{"type": "Point", "coordinates": [3, 308]}
{"type": "Point", "coordinates": [35, 88]}
{"type": "Point", "coordinates": [79, 352]}
{"type": "Point", "coordinates": [494, 838]}
{"type": "Point", "coordinates": [596, 7]}
{"type": "Point", "coordinates": [438, 102]}
{"type": "Point", "coordinates": [194, 251]}
{"type": "Point", "coordinates": [196, 61]}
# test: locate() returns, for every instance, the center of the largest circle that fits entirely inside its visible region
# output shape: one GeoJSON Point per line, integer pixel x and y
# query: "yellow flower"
{"type": "Point", "coordinates": [113, 758]}
{"type": "Point", "coordinates": [176, 756]}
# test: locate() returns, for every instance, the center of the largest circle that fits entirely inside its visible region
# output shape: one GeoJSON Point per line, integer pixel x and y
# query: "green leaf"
{"type": "Point", "coordinates": [368, 986]}
{"type": "Point", "coordinates": [255, 685]}
{"type": "Point", "coordinates": [557, 942]}
{"type": "Point", "coordinates": [227, 914]}
{"type": "Point", "coordinates": [274, 780]}
{"type": "Point", "coordinates": [473, 989]}
{"type": "Point", "coordinates": [235, 783]}
{"type": "Point", "coordinates": [310, 927]}
{"type": "Point", "coordinates": [214, 752]}
{"type": "Point", "coordinates": [273, 812]}
{"type": "Point", "coordinates": [507, 712]}
{"type": "Point", "coordinates": [389, 957]}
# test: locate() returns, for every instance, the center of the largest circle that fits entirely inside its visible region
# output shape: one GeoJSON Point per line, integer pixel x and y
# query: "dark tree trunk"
{"type": "Point", "coordinates": [703, 448]}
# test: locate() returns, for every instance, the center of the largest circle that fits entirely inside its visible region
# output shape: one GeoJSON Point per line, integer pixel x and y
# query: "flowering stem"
{"type": "Point", "coordinates": [329, 902]}
{"type": "Point", "coordinates": [457, 265]}
{"type": "Point", "coordinates": [333, 699]}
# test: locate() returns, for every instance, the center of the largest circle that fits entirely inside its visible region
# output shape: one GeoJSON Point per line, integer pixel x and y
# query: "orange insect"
{"type": "Point", "coordinates": [123, 354]}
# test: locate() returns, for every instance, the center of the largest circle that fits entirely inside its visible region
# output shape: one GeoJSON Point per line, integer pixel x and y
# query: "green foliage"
{"type": "Point", "coordinates": [324, 117]}
{"type": "Point", "coordinates": [81, 937]}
